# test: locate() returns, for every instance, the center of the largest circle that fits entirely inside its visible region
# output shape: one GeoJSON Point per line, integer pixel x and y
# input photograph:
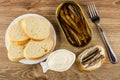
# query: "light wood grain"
{"type": "Point", "coordinates": [109, 11]}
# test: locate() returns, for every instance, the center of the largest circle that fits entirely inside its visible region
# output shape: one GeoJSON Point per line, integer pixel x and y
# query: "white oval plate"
{"type": "Point", "coordinates": [52, 33]}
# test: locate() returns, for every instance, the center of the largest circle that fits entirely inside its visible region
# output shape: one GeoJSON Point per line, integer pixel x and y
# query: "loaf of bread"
{"type": "Point", "coordinates": [37, 49]}
{"type": "Point", "coordinates": [15, 34]}
{"type": "Point", "coordinates": [15, 52]}
{"type": "Point", "coordinates": [36, 28]}
{"type": "Point", "coordinates": [91, 58]}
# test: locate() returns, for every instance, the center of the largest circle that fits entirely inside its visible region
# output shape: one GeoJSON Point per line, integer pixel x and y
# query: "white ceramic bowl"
{"type": "Point", "coordinates": [52, 33]}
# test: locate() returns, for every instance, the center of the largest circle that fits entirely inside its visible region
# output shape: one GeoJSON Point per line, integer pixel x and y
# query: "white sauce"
{"type": "Point", "coordinates": [60, 60]}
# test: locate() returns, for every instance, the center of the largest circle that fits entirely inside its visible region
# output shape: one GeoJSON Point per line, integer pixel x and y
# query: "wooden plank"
{"type": "Point", "coordinates": [109, 11]}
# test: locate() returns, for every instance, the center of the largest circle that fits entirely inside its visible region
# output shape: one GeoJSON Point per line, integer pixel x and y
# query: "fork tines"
{"type": "Point", "coordinates": [92, 10]}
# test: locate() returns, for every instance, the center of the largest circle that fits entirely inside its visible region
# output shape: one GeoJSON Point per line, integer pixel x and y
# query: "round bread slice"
{"type": "Point", "coordinates": [36, 28]}
{"type": "Point", "coordinates": [16, 34]}
{"type": "Point", "coordinates": [15, 52]}
{"type": "Point", "coordinates": [37, 49]}
{"type": "Point", "coordinates": [91, 58]}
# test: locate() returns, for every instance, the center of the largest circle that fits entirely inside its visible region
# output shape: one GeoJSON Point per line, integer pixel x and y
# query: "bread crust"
{"type": "Point", "coordinates": [20, 42]}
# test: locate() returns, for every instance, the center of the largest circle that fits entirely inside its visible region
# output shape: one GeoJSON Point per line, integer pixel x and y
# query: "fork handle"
{"type": "Point", "coordinates": [111, 54]}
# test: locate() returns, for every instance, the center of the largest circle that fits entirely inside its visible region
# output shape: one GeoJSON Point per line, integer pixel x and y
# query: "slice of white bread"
{"type": "Point", "coordinates": [38, 49]}
{"type": "Point", "coordinates": [15, 52]}
{"type": "Point", "coordinates": [36, 28]}
{"type": "Point", "coordinates": [16, 34]}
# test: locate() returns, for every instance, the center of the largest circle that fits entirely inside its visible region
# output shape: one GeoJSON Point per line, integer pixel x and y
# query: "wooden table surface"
{"type": "Point", "coordinates": [109, 11]}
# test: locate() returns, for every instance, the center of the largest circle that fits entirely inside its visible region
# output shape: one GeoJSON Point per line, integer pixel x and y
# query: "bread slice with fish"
{"type": "Point", "coordinates": [91, 58]}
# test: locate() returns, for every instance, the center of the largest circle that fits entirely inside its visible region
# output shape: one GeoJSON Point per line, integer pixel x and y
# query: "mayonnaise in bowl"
{"type": "Point", "coordinates": [59, 60]}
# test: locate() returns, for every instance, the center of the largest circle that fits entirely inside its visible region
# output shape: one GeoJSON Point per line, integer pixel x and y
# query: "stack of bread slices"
{"type": "Point", "coordinates": [29, 38]}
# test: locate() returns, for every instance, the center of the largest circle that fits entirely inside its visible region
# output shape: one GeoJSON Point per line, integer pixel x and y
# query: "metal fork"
{"type": "Point", "coordinates": [96, 19]}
